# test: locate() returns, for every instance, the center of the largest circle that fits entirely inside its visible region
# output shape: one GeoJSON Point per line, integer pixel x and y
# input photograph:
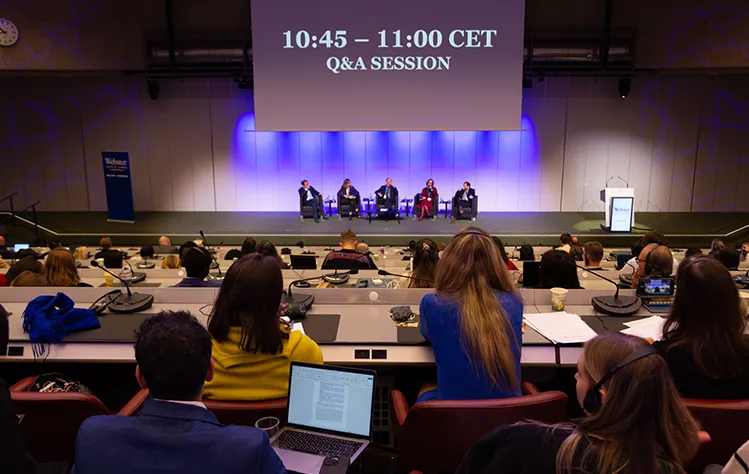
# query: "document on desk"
{"type": "Point", "coordinates": [297, 327]}
{"type": "Point", "coordinates": [648, 327]}
{"type": "Point", "coordinates": [560, 327]}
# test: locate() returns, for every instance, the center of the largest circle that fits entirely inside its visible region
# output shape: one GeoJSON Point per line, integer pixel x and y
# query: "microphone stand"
{"type": "Point", "coordinates": [613, 305]}
{"type": "Point", "coordinates": [290, 297]}
{"type": "Point", "coordinates": [133, 302]}
{"type": "Point", "coordinates": [213, 256]}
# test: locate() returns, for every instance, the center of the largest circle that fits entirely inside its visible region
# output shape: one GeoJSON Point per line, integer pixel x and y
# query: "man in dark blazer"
{"type": "Point", "coordinates": [388, 193]}
{"type": "Point", "coordinates": [463, 199]}
{"type": "Point", "coordinates": [309, 195]}
{"type": "Point", "coordinates": [174, 433]}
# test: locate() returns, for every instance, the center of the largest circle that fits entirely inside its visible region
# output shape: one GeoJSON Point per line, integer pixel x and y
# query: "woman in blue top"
{"type": "Point", "coordinates": [474, 322]}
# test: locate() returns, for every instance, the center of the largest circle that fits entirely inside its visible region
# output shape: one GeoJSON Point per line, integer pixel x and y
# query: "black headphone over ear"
{"type": "Point", "coordinates": [592, 402]}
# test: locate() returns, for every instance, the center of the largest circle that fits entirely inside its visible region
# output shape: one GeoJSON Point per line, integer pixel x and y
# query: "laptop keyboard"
{"type": "Point", "coordinates": [316, 444]}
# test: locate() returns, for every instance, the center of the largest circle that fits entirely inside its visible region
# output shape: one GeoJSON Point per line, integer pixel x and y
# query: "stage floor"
{"type": "Point", "coordinates": [286, 228]}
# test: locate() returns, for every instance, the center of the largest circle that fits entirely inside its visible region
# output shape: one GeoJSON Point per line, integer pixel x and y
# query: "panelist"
{"type": "Point", "coordinates": [463, 199]}
{"type": "Point", "coordinates": [349, 196]}
{"type": "Point", "coordinates": [427, 200]}
{"type": "Point", "coordinates": [309, 196]}
{"type": "Point", "coordinates": [387, 193]}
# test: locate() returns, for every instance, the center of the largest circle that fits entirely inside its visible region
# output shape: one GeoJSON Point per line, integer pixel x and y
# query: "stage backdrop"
{"type": "Point", "coordinates": [680, 141]}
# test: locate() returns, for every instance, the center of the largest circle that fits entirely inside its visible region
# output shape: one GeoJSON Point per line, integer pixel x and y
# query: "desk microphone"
{"type": "Point", "coordinates": [339, 278]}
{"type": "Point", "coordinates": [387, 273]}
{"type": "Point", "coordinates": [212, 276]}
{"type": "Point", "coordinates": [137, 276]}
{"type": "Point", "coordinates": [614, 305]}
{"type": "Point", "coordinates": [133, 302]}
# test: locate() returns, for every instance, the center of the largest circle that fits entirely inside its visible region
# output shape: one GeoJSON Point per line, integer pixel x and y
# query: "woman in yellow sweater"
{"type": "Point", "coordinates": [252, 349]}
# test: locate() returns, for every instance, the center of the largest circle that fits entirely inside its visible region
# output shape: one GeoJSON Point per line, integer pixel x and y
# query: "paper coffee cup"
{"type": "Point", "coordinates": [558, 298]}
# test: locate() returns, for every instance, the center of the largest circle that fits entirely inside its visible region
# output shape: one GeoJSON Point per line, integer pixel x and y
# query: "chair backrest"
{"type": "Point", "coordinates": [51, 420]}
{"type": "Point", "coordinates": [247, 413]}
{"type": "Point", "coordinates": [437, 434]}
{"type": "Point", "coordinates": [726, 422]}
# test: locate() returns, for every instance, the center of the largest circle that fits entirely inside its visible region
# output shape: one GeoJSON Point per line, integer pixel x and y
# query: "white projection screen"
{"type": "Point", "coordinates": [333, 65]}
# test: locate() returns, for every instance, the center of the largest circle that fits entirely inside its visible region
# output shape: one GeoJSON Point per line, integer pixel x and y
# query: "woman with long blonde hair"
{"type": "Point", "coordinates": [474, 322]}
{"type": "Point", "coordinates": [60, 269]}
{"type": "Point", "coordinates": [636, 422]}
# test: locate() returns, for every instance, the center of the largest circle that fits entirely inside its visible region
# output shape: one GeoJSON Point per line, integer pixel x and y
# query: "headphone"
{"type": "Point", "coordinates": [592, 401]}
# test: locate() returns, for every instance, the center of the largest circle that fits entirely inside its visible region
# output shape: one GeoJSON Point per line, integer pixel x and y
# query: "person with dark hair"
{"type": "Point", "coordinates": [184, 247]}
{"type": "Point", "coordinates": [575, 249]}
{"type": "Point", "coordinates": [309, 196]}
{"type": "Point", "coordinates": [715, 247]}
{"type": "Point", "coordinates": [248, 246]}
{"type": "Point", "coordinates": [350, 195]}
{"type": "Point", "coordinates": [147, 251]}
{"type": "Point", "coordinates": [428, 201]}
{"type": "Point", "coordinates": [60, 270]}
{"type": "Point", "coordinates": [566, 241]}
{"type": "Point", "coordinates": [655, 261]}
{"type": "Point", "coordinates": [635, 421]}
{"type": "Point", "coordinates": [174, 432]}
{"type": "Point", "coordinates": [30, 279]}
{"type": "Point", "coordinates": [425, 260]}
{"type": "Point", "coordinates": [503, 253]}
{"type": "Point", "coordinates": [650, 237]}
{"type": "Point", "coordinates": [252, 348]}
{"type": "Point", "coordinates": [29, 263]}
{"type": "Point", "coordinates": [267, 249]}
{"type": "Point", "coordinates": [558, 270]}
{"type": "Point", "coordinates": [691, 252]}
{"type": "Point", "coordinates": [526, 253]}
{"type": "Point", "coordinates": [703, 338]}
{"type": "Point", "coordinates": [197, 262]}
{"type": "Point", "coordinates": [106, 247]}
{"type": "Point", "coordinates": [593, 255]}
{"type": "Point", "coordinates": [729, 257]}
{"type": "Point", "coordinates": [463, 200]}
{"type": "Point", "coordinates": [348, 258]}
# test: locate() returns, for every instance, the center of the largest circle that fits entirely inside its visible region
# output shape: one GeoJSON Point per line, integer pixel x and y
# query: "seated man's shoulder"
{"type": "Point", "coordinates": [95, 425]}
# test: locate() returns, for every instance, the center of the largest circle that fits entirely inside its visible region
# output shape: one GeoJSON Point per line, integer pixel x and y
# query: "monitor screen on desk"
{"type": "Point", "coordinates": [18, 247]}
{"type": "Point", "coordinates": [303, 262]}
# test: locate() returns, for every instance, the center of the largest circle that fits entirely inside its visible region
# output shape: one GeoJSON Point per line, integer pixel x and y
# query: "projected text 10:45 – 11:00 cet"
{"type": "Point", "coordinates": [339, 39]}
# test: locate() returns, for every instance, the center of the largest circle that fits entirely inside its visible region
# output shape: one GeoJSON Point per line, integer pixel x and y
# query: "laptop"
{"type": "Point", "coordinates": [330, 415]}
{"type": "Point", "coordinates": [165, 249]}
{"type": "Point", "coordinates": [303, 262]}
{"type": "Point", "coordinates": [18, 247]}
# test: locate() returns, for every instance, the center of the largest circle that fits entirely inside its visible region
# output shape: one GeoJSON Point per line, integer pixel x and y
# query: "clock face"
{"type": "Point", "coordinates": [8, 33]}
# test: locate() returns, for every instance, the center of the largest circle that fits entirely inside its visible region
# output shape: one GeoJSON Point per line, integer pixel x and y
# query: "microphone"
{"type": "Point", "coordinates": [133, 302]}
{"type": "Point", "coordinates": [137, 276]}
{"type": "Point", "coordinates": [626, 183]}
{"type": "Point", "coordinates": [387, 273]}
{"type": "Point", "coordinates": [340, 278]}
{"type": "Point", "coordinates": [608, 181]}
{"type": "Point", "coordinates": [212, 276]}
{"type": "Point", "coordinates": [614, 305]}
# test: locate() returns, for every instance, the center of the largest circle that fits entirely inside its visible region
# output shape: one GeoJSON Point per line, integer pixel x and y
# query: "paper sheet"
{"type": "Point", "coordinates": [651, 327]}
{"type": "Point", "coordinates": [560, 327]}
{"type": "Point", "coordinates": [298, 327]}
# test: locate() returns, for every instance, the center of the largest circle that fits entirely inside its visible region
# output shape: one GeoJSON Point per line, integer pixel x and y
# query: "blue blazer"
{"type": "Point", "coordinates": [170, 438]}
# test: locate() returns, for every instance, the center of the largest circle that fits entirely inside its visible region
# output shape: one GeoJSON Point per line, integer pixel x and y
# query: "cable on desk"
{"type": "Point", "coordinates": [602, 323]}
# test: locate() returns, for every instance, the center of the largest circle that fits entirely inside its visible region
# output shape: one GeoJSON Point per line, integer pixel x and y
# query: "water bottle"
{"type": "Point", "coordinates": [126, 273]}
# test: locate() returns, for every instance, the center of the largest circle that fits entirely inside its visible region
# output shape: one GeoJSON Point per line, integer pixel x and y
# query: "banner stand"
{"type": "Point", "coordinates": [118, 187]}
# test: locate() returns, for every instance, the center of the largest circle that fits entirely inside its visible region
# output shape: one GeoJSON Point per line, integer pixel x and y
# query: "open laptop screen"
{"type": "Point", "coordinates": [331, 399]}
{"type": "Point", "coordinates": [18, 247]}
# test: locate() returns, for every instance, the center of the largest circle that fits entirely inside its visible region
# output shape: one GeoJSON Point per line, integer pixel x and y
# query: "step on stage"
{"type": "Point", "coordinates": [286, 228]}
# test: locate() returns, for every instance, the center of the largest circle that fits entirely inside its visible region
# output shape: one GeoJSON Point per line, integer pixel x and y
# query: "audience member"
{"type": "Point", "coordinates": [184, 247]}
{"type": "Point", "coordinates": [575, 250]}
{"type": "Point", "coordinates": [692, 252]}
{"type": "Point", "coordinates": [267, 249]}
{"type": "Point", "coordinates": [566, 241]}
{"type": "Point", "coordinates": [655, 261]}
{"type": "Point", "coordinates": [147, 251]}
{"type": "Point", "coordinates": [593, 255]}
{"type": "Point", "coordinates": [715, 247]}
{"type": "Point", "coordinates": [197, 263]}
{"type": "Point", "coordinates": [170, 262]}
{"type": "Point", "coordinates": [60, 269]}
{"type": "Point", "coordinates": [362, 248]}
{"type": "Point", "coordinates": [29, 279]}
{"type": "Point", "coordinates": [26, 263]}
{"type": "Point", "coordinates": [106, 246]}
{"type": "Point", "coordinates": [5, 252]}
{"type": "Point", "coordinates": [703, 338]}
{"type": "Point", "coordinates": [4, 264]}
{"type": "Point", "coordinates": [248, 246]}
{"type": "Point", "coordinates": [503, 253]}
{"type": "Point", "coordinates": [729, 257]}
{"type": "Point", "coordinates": [425, 260]}
{"type": "Point", "coordinates": [82, 253]}
{"type": "Point", "coordinates": [650, 237]}
{"type": "Point", "coordinates": [348, 258]}
{"type": "Point", "coordinates": [252, 349]}
{"type": "Point", "coordinates": [558, 270]}
{"type": "Point", "coordinates": [165, 241]}
{"type": "Point", "coordinates": [527, 253]}
{"type": "Point", "coordinates": [51, 246]}
{"type": "Point", "coordinates": [173, 433]}
{"type": "Point", "coordinates": [744, 251]}
{"type": "Point", "coordinates": [473, 321]}
{"type": "Point", "coordinates": [626, 430]}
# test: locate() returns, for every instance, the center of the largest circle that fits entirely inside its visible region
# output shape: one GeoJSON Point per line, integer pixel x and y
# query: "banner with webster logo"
{"type": "Point", "coordinates": [118, 186]}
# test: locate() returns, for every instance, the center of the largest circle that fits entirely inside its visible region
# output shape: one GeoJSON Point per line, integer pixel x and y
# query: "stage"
{"type": "Point", "coordinates": [286, 228]}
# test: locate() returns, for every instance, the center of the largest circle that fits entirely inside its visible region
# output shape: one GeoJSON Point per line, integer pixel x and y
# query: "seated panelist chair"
{"type": "Point", "coordinates": [417, 207]}
{"type": "Point", "coordinates": [388, 212]}
{"type": "Point", "coordinates": [348, 206]}
{"type": "Point", "coordinates": [308, 211]}
{"type": "Point", "coordinates": [470, 208]}
{"type": "Point", "coordinates": [51, 420]}
{"type": "Point", "coordinates": [434, 436]}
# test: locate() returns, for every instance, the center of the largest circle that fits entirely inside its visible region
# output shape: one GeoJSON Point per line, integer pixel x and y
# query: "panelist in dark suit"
{"type": "Point", "coordinates": [388, 192]}
{"type": "Point", "coordinates": [463, 198]}
{"type": "Point", "coordinates": [309, 196]}
{"type": "Point", "coordinates": [174, 433]}
{"type": "Point", "coordinates": [349, 195]}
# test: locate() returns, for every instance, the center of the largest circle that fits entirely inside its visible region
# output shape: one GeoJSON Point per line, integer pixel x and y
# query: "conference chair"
{"type": "Point", "coordinates": [726, 422]}
{"type": "Point", "coordinates": [388, 212]}
{"type": "Point", "coordinates": [347, 206]}
{"type": "Point", "coordinates": [247, 413]}
{"type": "Point", "coordinates": [306, 212]}
{"type": "Point", "coordinates": [51, 420]}
{"type": "Point", "coordinates": [470, 208]}
{"type": "Point", "coordinates": [417, 206]}
{"type": "Point", "coordinates": [433, 436]}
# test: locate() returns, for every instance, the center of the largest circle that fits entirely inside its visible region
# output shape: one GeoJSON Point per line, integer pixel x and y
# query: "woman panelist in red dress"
{"type": "Point", "coordinates": [429, 199]}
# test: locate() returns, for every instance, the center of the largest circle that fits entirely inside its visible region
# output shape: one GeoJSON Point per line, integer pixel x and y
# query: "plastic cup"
{"type": "Point", "coordinates": [558, 298]}
{"type": "Point", "coordinates": [108, 280]}
{"type": "Point", "coordinates": [269, 424]}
